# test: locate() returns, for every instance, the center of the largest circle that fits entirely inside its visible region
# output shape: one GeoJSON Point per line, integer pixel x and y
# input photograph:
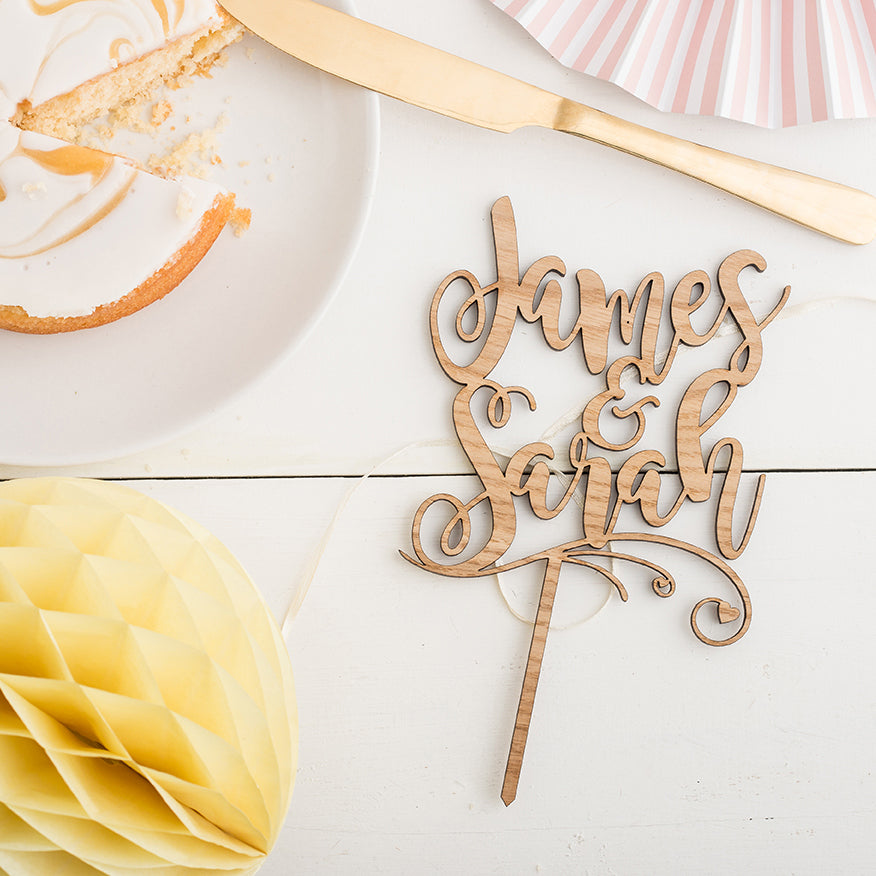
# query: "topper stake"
{"type": "Point", "coordinates": [530, 680]}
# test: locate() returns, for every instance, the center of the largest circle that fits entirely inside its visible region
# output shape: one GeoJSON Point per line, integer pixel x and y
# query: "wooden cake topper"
{"type": "Point", "coordinates": [535, 297]}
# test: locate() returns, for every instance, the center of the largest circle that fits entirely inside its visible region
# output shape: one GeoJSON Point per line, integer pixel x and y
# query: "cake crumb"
{"type": "Point", "coordinates": [161, 111]}
{"type": "Point", "coordinates": [241, 219]}
{"type": "Point", "coordinates": [194, 156]}
{"type": "Point", "coordinates": [34, 191]}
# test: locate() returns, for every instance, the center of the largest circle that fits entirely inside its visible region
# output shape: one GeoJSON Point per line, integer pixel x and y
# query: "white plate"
{"type": "Point", "coordinates": [300, 149]}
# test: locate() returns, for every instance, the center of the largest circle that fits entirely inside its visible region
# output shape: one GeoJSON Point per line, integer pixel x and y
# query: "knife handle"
{"type": "Point", "coordinates": [831, 208]}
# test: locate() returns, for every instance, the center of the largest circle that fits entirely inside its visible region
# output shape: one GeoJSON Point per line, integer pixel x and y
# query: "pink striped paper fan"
{"type": "Point", "coordinates": [773, 63]}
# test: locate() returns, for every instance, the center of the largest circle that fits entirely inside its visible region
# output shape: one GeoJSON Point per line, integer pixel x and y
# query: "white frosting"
{"type": "Point", "coordinates": [48, 47]}
{"type": "Point", "coordinates": [80, 228]}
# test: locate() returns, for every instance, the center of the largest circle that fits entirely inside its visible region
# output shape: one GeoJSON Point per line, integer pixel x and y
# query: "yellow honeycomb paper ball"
{"type": "Point", "coordinates": [147, 711]}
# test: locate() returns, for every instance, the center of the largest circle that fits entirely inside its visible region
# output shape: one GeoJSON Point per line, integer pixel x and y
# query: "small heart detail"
{"type": "Point", "coordinates": [727, 613]}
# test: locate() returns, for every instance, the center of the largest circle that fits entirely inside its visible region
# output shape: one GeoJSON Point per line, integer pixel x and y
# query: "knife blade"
{"type": "Point", "coordinates": [411, 71]}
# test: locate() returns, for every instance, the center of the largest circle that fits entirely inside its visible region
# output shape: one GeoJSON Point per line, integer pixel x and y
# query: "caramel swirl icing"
{"type": "Point", "coordinates": [70, 160]}
{"type": "Point", "coordinates": [120, 45]}
{"type": "Point", "coordinates": [159, 6]}
{"type": "Point", "coordinates": [66, 161]}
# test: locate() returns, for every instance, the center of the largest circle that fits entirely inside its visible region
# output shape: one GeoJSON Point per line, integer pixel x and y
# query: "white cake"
{"type": "Point", "coordinates": [86, 237]}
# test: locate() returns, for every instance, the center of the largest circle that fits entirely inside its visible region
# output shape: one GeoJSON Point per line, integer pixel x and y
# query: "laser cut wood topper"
{"type": "Point", "coordinates": [534, 297]}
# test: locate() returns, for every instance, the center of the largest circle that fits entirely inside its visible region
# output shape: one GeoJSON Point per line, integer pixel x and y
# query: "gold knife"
{"type": "Point", "coordinates": [418, 74]}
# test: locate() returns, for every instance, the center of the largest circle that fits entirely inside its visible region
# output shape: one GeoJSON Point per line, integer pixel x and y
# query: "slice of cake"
{"type": "Point", "coordinates": [87, 237]}
{"type": "Point", "coordinates": [65, 63]}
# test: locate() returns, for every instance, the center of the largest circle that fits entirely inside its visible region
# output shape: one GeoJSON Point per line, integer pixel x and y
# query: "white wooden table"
{"type": "Point", "coordinates": [649, 752]}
